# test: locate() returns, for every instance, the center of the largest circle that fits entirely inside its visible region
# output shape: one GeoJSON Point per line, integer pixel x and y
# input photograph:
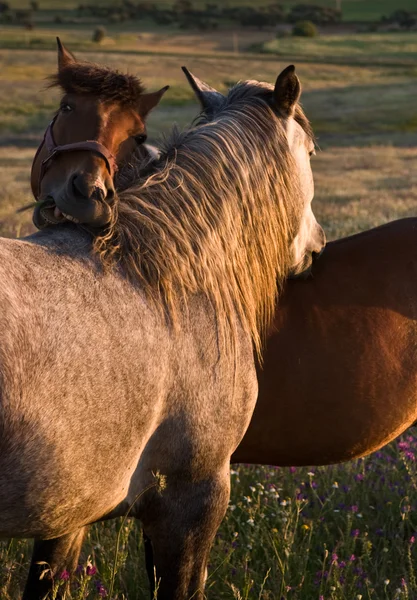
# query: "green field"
{"type": "Point", "coordinates": [347, 532]}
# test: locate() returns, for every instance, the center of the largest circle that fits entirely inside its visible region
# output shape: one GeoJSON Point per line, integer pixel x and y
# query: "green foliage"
{"type": "Point", "coordinates": [182, 6]}
{"type": "Point", "coordinates": [403, 18]}
{"type": "Point", "coordinates": [305, 29]}
{"type": "Point", "coordinates": [319, 15]}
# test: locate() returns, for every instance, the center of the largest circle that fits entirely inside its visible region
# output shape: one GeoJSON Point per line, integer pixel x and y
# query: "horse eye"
{"type": "Point", "coordinates": [312, 153]}
{"type": "Point", "coordinates": [66, 108]}
{"type": "Point", "coordinates": [141, 139]}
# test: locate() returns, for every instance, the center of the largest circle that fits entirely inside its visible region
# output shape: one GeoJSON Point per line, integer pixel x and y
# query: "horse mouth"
{"type": "Point", "coordinates": [47, 213]}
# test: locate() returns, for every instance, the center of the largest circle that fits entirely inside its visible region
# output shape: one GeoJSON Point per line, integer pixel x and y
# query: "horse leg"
{"type": "Point", "coordinates": [181, 524]}
{"type": "Point", "coordinates": [60, 554]}
{"type": "Point", "coordinates": [149, 563]}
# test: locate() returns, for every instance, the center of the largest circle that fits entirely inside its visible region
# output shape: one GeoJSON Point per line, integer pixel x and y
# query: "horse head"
{"type": "Point", "coordinates": [309, 238]}
{"type": "Point", "coordinates": [100, 121]}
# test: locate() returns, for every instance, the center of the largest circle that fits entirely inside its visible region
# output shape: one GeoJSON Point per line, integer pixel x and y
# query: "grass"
{"type": "Point", "coordinates": [337, 533]}
{"type": "Point", "coordinates": [362, 48]}
{"type": "Point", "coordinates": [346, 532]}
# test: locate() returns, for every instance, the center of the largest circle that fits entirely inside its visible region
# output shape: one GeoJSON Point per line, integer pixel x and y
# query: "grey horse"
{"type": "Point", "coordinates": [127, 360]}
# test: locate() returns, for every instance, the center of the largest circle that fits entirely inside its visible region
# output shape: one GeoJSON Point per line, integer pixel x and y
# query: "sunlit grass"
{"type": "Point", "coordinates": [358, 48]}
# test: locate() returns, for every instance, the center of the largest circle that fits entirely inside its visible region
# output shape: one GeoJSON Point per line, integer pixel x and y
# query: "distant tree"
{"type": "Point", "coordinates": [403, 18]}
{"type": "Point", "coordinates": [23, 16]}
{"type": "Point", "coordinates": [99, 34]}
{"type": "Point", "coordinates": [276, 13]}
{"type": "Point", "coordinates": [257, 19]}
{"type": "Point", "coordinates": [4, 7]}
{"type": "Point", "coordinates": [319, 15]}
{"type": "Point", "coordinates": [146, 8]}
{"type": "Point", "coordinates": [163, 17]}
{"type": "Point", "coordinates": [34, 5]}
{"type": "Point", "coordinates": [182, 6]}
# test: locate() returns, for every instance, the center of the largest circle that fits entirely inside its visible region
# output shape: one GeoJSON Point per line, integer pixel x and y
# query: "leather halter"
{"type": "Point", "coordinates": [54, 150]}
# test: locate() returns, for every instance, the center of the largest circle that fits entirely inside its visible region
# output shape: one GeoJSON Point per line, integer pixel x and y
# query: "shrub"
{"type": "Point", "coordinates": [276, 12]}
{"type": "Point", "coordinates": [23, 15]}
{"type": "Point", "coordinates": [99, 34]}
{"type": "Point", "coordinates": [304, 29]}
{"type": "Point", "coordinates": [403, 18]}
{"type": "Point", "coordinates": [163, 18]}
{"type": "Point", "coordinates": [182, 6]}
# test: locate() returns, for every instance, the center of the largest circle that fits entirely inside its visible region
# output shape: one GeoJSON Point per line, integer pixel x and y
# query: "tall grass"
{"type": "Point", "coordinates": [344, 532]}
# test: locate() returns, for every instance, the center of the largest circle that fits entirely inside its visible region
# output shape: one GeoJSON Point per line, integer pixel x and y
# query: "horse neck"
{"type": "Point", "coordinates": [214, 217]}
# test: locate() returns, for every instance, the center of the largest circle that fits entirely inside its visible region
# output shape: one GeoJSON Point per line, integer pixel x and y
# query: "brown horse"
{"type": "Point", "coordinates": [100, 122]}
{"type": "Point", "coordinates": [112, 378]}
{"type": "Point", "coordinates": [339, 378]}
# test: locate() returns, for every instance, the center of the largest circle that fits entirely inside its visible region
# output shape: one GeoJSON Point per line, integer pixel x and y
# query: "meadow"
{"type": "Point", "coordinates": [345, 532]}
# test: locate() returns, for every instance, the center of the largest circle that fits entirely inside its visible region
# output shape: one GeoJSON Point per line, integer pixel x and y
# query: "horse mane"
{"type": "Point", "coordinates": [107, 84]}
{"type": "Point", "coordinates": [216, 215]}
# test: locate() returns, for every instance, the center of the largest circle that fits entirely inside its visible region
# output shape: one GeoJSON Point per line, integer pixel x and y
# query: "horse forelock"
{"type": "Point", "coordinates": [106, 84]}
{"type": "Point", "coordinates": [217, 215]}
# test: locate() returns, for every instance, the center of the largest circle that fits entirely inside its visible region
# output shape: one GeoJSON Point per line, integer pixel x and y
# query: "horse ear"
{"type": "Point", "coordinates": [148, 101]}
{"type": "Point", "coordinates": [65, 57]}
{"type": "Point", "coordinates": [287, 91]}
{"type": "Point", "coordinates": [209, 98]}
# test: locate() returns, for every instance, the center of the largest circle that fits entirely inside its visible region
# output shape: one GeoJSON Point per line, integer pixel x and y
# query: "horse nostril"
{"type": "Point", "coordinates": [86, 188]}
{"type": "Point", "coordinates": [80, 186]}
{"type": "Point", "coordinates": [98, 193]}
{"type": "Point", "coordinates": [316, 254]}
{"type": "Point", "coordinates": [110, 193]}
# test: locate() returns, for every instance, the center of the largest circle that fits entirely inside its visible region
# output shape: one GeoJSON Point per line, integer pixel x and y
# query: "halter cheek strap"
{"type": "Point", "coordinates": [54, 150]}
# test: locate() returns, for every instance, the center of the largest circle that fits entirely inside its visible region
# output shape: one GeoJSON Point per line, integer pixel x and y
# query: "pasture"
{"type": "Point", "coordinates": [333, 533]}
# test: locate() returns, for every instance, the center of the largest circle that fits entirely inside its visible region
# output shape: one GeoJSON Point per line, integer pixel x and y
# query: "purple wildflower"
{"type": "Point", "coordinates": [101, 590]}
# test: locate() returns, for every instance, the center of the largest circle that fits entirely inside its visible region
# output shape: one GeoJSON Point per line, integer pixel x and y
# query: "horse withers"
{"type": "Point", "coordinates": [99, 124]}
{"type": "Point", "coordinates": [112, 378]}
{"type": "Point", "coordinates": [339, 375]}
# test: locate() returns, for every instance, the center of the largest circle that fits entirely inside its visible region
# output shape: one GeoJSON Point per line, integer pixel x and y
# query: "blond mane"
{"type": "Point", "coordinates": [216, 215]}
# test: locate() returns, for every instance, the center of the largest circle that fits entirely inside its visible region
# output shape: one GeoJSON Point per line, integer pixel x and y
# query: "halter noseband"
{"type": "Point", "coordinates": [54, 150]}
